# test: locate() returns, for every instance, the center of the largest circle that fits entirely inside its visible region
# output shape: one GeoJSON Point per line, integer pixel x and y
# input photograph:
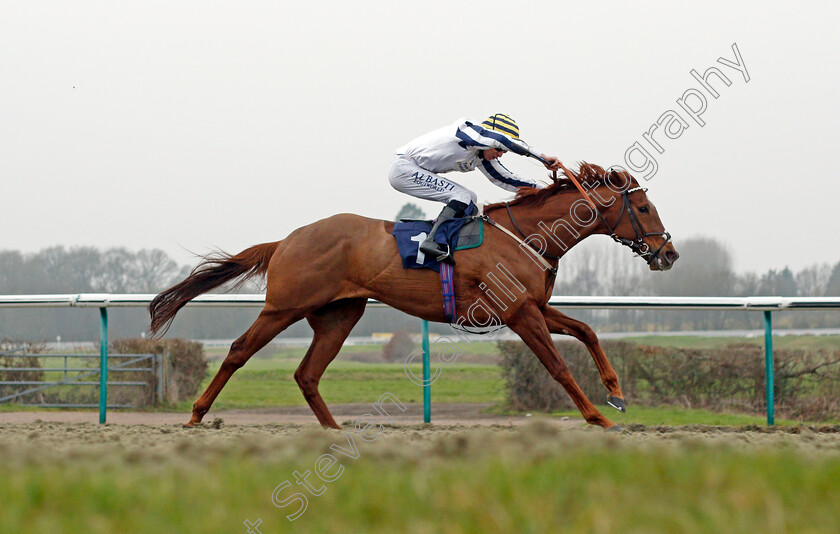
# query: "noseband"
{"type": "Point", "coordinates": [638, 245]}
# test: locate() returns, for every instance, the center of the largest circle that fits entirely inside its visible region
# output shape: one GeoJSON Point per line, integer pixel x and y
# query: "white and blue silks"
{"type": "Point", "coordinates": [455, 147]}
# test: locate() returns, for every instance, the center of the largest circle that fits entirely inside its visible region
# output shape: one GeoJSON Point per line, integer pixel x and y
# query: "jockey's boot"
{"type": "Point", "coordinates": [453, 210]}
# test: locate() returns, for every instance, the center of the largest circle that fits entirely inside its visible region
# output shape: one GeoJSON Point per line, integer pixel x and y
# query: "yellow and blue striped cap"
{"type": "Point", "coordinates": [502, 123]}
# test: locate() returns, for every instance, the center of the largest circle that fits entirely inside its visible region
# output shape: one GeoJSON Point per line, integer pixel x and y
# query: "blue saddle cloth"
{"type": "Point", "coordinates": [410, 234]}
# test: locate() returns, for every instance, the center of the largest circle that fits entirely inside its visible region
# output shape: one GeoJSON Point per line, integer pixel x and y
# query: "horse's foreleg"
{"type": "Point", "coordinates": [267, 325]}
{"type": "Point", "coordinates": [331, 325]}
{"type": "Point", "coordinates": [559, 323]}
{"type": "Point", "coordinates": [529, 324]}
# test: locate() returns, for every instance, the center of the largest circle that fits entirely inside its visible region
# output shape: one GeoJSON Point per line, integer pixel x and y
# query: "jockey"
{"type": "Point", "coordinates": [461, 146]}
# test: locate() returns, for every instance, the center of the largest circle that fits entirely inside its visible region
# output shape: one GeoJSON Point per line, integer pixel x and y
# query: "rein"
{"type": "Point", "coordinates": [516, 226]}
{"type": "Point", "coordinates": [638, 246]}
{"type": "Point", "coordinates": [537, 254]}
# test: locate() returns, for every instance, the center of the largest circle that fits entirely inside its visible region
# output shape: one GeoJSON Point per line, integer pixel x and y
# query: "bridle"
{"type": "Point", "coordinates": [637, 245]}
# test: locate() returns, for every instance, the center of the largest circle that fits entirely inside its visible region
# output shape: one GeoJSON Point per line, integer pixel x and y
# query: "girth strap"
{"type": "Point", "coordinates": [447, 285]}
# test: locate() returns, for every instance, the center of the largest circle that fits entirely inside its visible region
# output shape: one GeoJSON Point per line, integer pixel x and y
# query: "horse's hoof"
{"type": "Point", "coordinates": [617, 403]}
{"type": "Point", "coordinates": [615, 428]}
{"type": "Point", "coordinates": [188, 425]}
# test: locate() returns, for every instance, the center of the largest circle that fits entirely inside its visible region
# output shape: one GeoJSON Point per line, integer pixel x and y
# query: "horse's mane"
{"type": "Point", "coordinates": [588, 173]}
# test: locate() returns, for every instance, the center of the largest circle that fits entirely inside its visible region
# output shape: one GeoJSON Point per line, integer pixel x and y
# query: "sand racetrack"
{"type": "Point", "coordinates": [442, 414]}
{"type": "Point", "coordinates": [487, 474]}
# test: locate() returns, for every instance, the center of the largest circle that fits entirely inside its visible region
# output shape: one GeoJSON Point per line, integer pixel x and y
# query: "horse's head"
{"type": "Point", "coordinates": [628, 215]}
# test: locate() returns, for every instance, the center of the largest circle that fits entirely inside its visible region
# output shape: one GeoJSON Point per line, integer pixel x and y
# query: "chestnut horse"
{"type": "Point", "coordinates": [326, 272]}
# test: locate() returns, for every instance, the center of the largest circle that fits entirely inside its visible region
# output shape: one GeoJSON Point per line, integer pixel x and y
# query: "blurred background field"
{"type": "Point", "coordinates": [415, 479]}
{"type": "Point", "coordinates": [477, 377]}
{"type": "Point", "coordinates": [362, 372]}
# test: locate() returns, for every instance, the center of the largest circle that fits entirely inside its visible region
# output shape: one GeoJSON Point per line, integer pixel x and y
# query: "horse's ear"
{"type": "Point", "coordinates": [618, 180]}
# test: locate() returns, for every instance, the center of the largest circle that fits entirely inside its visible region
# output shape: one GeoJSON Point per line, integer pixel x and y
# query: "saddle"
{"type": "Point", "coordinates": [459, 234]}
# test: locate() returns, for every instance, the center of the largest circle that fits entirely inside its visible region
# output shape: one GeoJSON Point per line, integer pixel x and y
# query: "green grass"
{"type": "Point", "coordinates": [6, 407]}
{"type": "Point", "coordinates": [275, 352]}
{"type": "Point", "coordinates": [829, 343]}
{"type": "Point", "coordinates": [484, 350]}
{"type": "Point", "coordinates": [676, 416]}
{"type": "Point", "coordinates": [264, 383]}
{"type": "Point", "coordinates": [267, 381]}
{"type": "Point", "coordinates": [592, 492]}
{"type": "Point", "coordinates": [529, 481]}
{"type": "Point", "coordinates": [488, 348]}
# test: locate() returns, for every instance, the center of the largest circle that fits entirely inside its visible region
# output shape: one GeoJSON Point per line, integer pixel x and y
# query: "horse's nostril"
{"type": "Point", "coordinates": [672, 256]}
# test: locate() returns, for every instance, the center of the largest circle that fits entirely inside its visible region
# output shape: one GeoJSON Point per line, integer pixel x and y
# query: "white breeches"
{"type": "Point", "coordinates": [408, 177]}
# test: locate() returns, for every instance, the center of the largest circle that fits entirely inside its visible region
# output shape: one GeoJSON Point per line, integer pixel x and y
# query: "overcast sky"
{"type": "Point", "coordinates": [192, 125]}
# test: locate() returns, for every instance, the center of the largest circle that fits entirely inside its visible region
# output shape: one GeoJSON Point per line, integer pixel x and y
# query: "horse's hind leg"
{"type": "Point", "coordinates": [268, 324]}
{"type": "Point", "coordinates": [559, 323]}
{"type": "Point", "coordinates": [331, 325]}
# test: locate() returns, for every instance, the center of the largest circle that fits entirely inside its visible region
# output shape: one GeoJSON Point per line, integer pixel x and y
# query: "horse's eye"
{"type": "Point", "coordinates": [643, 209]}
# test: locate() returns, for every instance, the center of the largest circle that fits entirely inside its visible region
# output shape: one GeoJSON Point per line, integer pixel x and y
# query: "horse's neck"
{"type": "Point", "coordinates": [554, 221]}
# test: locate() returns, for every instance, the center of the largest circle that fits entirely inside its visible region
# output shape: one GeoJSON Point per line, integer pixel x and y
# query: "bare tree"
{"type": "Point", "coordinates": [114, 274]}
{"type": "Point", "coordinates": [153, 270]}
{"type": "Point", "coordinates": [812, 281]}
{"type": "Point", "coordinates": [832, 288]}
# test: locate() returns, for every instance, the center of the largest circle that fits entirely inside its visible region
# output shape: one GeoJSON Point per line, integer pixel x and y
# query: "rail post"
{"type": "Point", "coordinates": [768, 366]}
{"type": "Point", "coordinates": [427, 387]}
{"type": "Point", "coordinates": [159, 368]}
{"type": "Point", "coordinates": [103, 364]}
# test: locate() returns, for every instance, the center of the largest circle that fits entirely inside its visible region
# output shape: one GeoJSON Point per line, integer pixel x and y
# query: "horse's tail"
{"type": "Point", "coordinates": [214, 271]}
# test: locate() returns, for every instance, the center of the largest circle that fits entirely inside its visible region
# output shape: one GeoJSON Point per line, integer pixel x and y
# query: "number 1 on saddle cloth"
{"type": "Point", "coordinates": [410, 233]}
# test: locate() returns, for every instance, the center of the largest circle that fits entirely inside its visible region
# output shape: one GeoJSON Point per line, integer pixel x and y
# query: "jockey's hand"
{"type": "Point", "coordinates": [551, 162]}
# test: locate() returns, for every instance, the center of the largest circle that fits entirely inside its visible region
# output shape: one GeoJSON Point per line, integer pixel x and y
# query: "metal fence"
{"type": "Point", "coordinates": [765, 305]}
{"type": "Point", "coordinates": [150, 364]}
